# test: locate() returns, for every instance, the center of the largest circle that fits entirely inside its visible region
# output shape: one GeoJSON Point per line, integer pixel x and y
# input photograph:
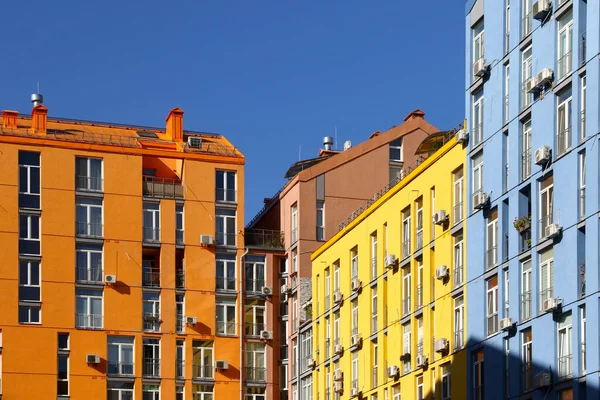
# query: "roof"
{"type": "Point", "coordinates": [433, 142]}
{"type": "Point", "coordinates": [302, 165]}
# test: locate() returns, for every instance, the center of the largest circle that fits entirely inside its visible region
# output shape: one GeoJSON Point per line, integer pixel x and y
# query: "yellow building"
{"type": "Point", "coordinates": [388, 309]}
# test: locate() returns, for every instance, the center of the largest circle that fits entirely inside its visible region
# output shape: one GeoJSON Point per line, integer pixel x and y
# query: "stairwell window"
{"type": "Point", "coordinates": [320, 220]}
{"type": "Point", "coordinates": [526, 146]}
{"type": "Point", "coordinates": [564, 115]}
{"type": "Point", "coordinates": [226, 229]}
{"type": "Point", "coordinates": [546, 277]}
{"type": "Point", "coordinates": [546, 205]}
{"type": "Point", "coordinates": [527, 75]}
{"type": "Point", "coordinates": [477, 133]}
{"type": "Point", "coordinates": [565, 355]}
{"type": "Point", "coordinates": [478, 48]}
{"type": "Point", "coordinates": [29, 292]}
{"type": "Point", "coordinates": [492, 306]}
{"type": "Point", "coordinates": [29, 180]}
{"type": "Point", "coordinates": [565, 45]}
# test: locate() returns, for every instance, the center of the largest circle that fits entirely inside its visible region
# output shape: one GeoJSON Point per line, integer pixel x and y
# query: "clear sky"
{"type": "Point", "coordinates": [272, 76]}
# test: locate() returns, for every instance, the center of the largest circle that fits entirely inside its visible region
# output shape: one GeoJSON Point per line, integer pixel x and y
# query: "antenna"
{"type": "Point", "coordinates": [38, 87]}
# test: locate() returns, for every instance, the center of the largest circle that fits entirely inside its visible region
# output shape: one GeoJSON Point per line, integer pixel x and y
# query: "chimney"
{"type": "Point", "coordinates": [414, 114]}
{"type": "Point", "coordinates": [9, 119]}
{"type": "Point", "coordinates": [175, 125]}
{"type": "Point", "coordinates": [327, 142]}
{"type": "Point", "coordinates": [39, 118]}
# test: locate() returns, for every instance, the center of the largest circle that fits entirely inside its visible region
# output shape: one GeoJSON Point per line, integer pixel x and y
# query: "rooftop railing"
{"type": "Point", "coordinates": [153, 186]}
{"type": "Point", "coordinates": [264, 238]}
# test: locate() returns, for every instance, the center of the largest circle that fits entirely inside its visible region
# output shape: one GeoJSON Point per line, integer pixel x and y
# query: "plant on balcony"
{"type": "Point", "coordinates": [523, 223]}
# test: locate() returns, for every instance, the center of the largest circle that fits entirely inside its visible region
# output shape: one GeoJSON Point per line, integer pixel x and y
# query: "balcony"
{"type": "Point", "coordinates": [86, 183]}
{"type": "Point", "coordinates": [119, 368]}
{"type": "Point", "coordinates": [458, 275]}
{"type": "Point", "coordinates": [565, 66]}
{"type": "Point", "coordinates": [255, 374]}
{"type": "Point", "coordinates": [225, 195]}
{"type": "Point", "coordinates": [151, 368]}
{"type": "Point", "coordinates": [406, 306]}
{"type": "Point", "coordinates": [88, 230]}
{"type": "Point", "coordinates": [526, 164]}
{"type": "Point", "coordinates": [491, 257]}
{"type": "Point", "coordinates": [252, 329]}
{"type": "Point", "coordinates": [459, 339]}
{"type": "Point", "coordinates": [526, 376]}
{"type": "Point", "coordinates": [563, 141]}
{"type": "Point", "coordinates": [151, 277]}
{"type": "Point", "coordinates": [151, 235]}
{"type": "Point", "coordinates": [526, 23]}
{"type": "Point", "coordinates": [88, 321]}
{"type": "Point", "coordinates": [179, 278]}
{"type": "Point", "coordinates": [565, 366]}
{"type": "Point", "coordinates": [406, 248]}
{"type": "Point", "coordinates": [477, 134]}
{"type": "Point", "coordinates": [457, 213]}
{"type": "Point", "coordinates": [225, 284]}
{"type": "Point", "coordinates": [419, 296]}
{"type": "Point", "coordinates": [264, 238]}
{"type": "Point", "coordinates": [179, 369]}
{"type": "Point", "coordinates": [153, 186]}
{"type": "Point", "coordinates": [202, 372]}
{"type": "Point", "coordinates": [89, 275]}
{"type": "Point", "coordinates": [526, 305]}
{"type": "Point", "coordinates": [254, 286]}
{"type": "Point", "coordinates": [151, 322]}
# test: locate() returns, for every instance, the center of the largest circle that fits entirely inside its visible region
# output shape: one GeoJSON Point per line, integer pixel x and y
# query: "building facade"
{"type": "Point", "coordinates": [389, 290]}
{"type": "Point", "coordinates": [312, 206]}
{"type": "Point", "coordinates": [113, 238]}
{"type": "Point", "coordinates": [532, 103]}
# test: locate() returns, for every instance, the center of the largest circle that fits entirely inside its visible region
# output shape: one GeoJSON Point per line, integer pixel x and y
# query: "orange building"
{"type": "Point", "coordinates": [120, 262]}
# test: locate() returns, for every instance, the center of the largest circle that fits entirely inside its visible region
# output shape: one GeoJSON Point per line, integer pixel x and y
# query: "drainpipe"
{"type": "Point", "coordinates": [241, 275]}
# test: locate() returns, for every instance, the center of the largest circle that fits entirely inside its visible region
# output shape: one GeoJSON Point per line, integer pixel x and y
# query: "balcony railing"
{"type": "Point", "coordinates": [457, 213]}
{"type": "Point", "coordinates": [264, 238]}
{"type": "Point", "coordinates": [406, 248]}
{"type": "Point", "coordinates": [151, 235]}
{"type": "Point", "coordinates": [89, 183]}
{"type": "Point", "coordinates": [179, 278]}
{"type": "Point", "coordinates": [506, 109]}
{"type": "Point", "coordinates": [506, 42]}
{"type": "Point", "coordinates": [526, 23]}
{"type": "Point", "coordinates": [374, 323]}
{"type": "Point", "coordinates": [527, 375]}
{"type": "Point", "coordinates": [202, 371]}
{"type": "Point", "coordinates": [492, 324]}
{"type": "Point", "coordinates": [582, 126]}
{"type": "Point", "coordinates": [88, 321]}
{"type": "Point", "coordinates": [583, 359]}
{"type": "Point", "coordinates": [545, 294]}
{"type": "Point", "coordinates": [526, 164]}
{"type": "Point", "coordinates": [582, 203]}
{"type": "Point", "coordinates": [225, 327]}
{"type": "Point", "coordinates": [153, 186]}
{"type": "Point", "coordinates": [563, 141]}
{"type": "Point", "coordinates": [256, 374]}
{"type": "Point", "coordinates": [89, 275]}
{"type": "Point", "coordinates": [374, 268]}
{"type": "Point", "coordinates": [477, 134]}
{"type": "Point", "coordinates": [88, 230]}
{"type": "Point", "coordinates": [459, 339]}
{"type": "Point", "coordinates": [224, 283]}
{"type": "Point", "coordinates": [294, 235]}
{"type": "Point", "coordinates": [565, 366]}
{"type": "Point", "coordinates": [525, 240]}
{"type": "Point", "coordinates": [254, 285]}
{"type": "Point", "coordinates": [151, 322]}
{"type": "Point", "coordinates": [491, 257]}
{"type": "Point", "coordinates": [180, 323]}
{"type": "Point", "coordinates": [458, 275]}
{"type": "Point", "coordinates": [419, 296]}
{"type": "Point", "coordinates": [225, 238]}
{"type": "Point", "coordinates": [151, 277]}
{"type": "Point", "coordinates": [151, 367]}
{"type": "Point", "coordinates": [406, 306]}
{"type": "Point", "coordinates": [526, 97]}
{"type": "Point", "coordinates": [179, 369]}
{"type": "Point", "coordinates": [526, 305]}
{"type": "Point", "coordinates": [545, 221]}
{"type": "Point", "coordinates": [252, 329]}
{"type": "Point", "coordinates": [225, 195]}
{"type": "Point", "coordinates": [506, 176]}
{"type": "Point", "coordinates": [119, 368]}
{"type": "Point", "coordinates": [565, 66]}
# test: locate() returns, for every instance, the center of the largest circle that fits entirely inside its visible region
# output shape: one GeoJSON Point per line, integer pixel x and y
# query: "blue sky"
{"type": "Point", "coordinates": [272, 76]}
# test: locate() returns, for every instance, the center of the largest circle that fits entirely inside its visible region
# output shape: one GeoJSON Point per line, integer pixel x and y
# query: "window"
{"type": "Point", "coordinates": [151, 356]}
{"type": "Point", "coordinates": [459, 321]}
{"type": "Point", "coordinates": [202, 392]}
{"type": "Point", "coordinates": [29, 234]}
{"type": "Point", "coordinates": [180, 312]}
{"type": "Point", "coordinates": [374, 256]}
{"type": "Point", "coordinates": [546, 205]}
{"type": "Point", "coordinates": [225, 272]}
{"type": "Point", "coordinates": [432, 223]}
{"type": "Point", "coordinates": [29, 292]}
{"type": "Point", "coordinates": [29, 180]}
{"type": "Point", "coordinates": [507, 368]}
{"type": "Point", "coordinates": [526, 18]}
{"type": "Point", "coordinates": [226, 227]}
{"type": "Point", "coordinates": [255, 362]}
{"type": "Point", "coordinates": [583, 107]}
{"type": "Point", "coordinates": [506, 91]}
{"type": "Point", "coordinates": [120, 355]}
{"type": "Point", "coordinates": [89, 217]}
{"type": "Point", "coordinates": [226, 186]}
{"type": "Point", "coordinates": [150, 271]}
{"type": "Point", "coordinates": [526, 290]}
{"type": "Point", "coordinates": [406, 348]}
{"type": "Point", "coordinates": [320, 220]}
{"type": "Point", "coordinates": [478, 48]}
{"type": "Point", "coordinates": [355, 370]}
{"type": "Point", "coordinates": [179, 390]}
{"type": "Point", "coordinates": [225, 316]}
{"type": "Point", "coordinates": [406, 233]}
{"type": "Point", "coordinates": [258, 393]}
{"type": "Point", "coordinates": [477, 118]}
{"type": "Point", "coordinates": [294, 214]}
{"type": "Point", "coordinates": [306, 349]}
{"type": "Point", "coordinates": [294, 261]}
{"type": "Point", "coordinates": [375, 364]}
{"type": "Point", "coordinates": [354, 262]}
{"type": "Point", "coordinates": [492, 305]}
{"type": "Point", "coordinates": [492, 239]}
{"type": "Point", "coordinates": [396, 150]}
{"type": "Point", "coordinates": [419, 302]}
{"type": "Point", "coordinates": [336, 328]}
{"type": "Point", "coordinates": [406, 287]}
{"type": "Point", "coordinates": [446, 382]}
{"type": "Point", "coordinates": [420, 336]}
{"type": "Point", "coordinates": [565, 356]}
{"type": "Point", "coordinates": [150, 392]}
{"type": "Point", "coordinates": [63, 365]}
{"type": "Point", "coordinates": [546, 277]}
{"type": "Point", "coordinates": [526, 358]}
{"type": "Point", "coordinates": [89, 308]}
{"type": "Point", "coordinates": [564, 115]}
{"type": "Point", "coordinates": [565, 45]}
{"type": "Point", "coordinates": [506, 29]}
{"type": "Point", "coordinates": [458, 196]}
{"type": "Point", "coordinates": [506, 293]}
{"type": "Point", "coordinates": [327, 288]}
{"type": "Point", "coordinates": [88, 174]}
{"type": "Point", "coordinates": [179, 224]}
{"type": "Point", "coordinates": [478, 375]}
{"type": "Point", "coordinates": [255, 317]}
{"type": "Point", "coordinates": [89, 264]}
{"type": "Point", "coordinates": [396, 392]}
{"type": "Point", "coordinates": [583, 336]}
{"type": "Point", "coordinates": [355, 317]}
{"type": "Point", "coordinates": [255, 273]}
{"type": "Point", "coordinates": [526, 146]}
{"type": "Point", "coordinates": [327, 337]}
{"type": "Point", "coordinates": [151, 222]}
{"type": "Point", "coordinates": [477, 163]}
{"type": "Point", "coordinates": [374, 309]}
{"type": "Point", "coordinates": [419, 236]}
{"type": "Point", "coordinates": [180, 359]}
{"type": "Point", "coordinates": [420, 390]}
{"type": "Point", "coordinates": [202, 359]}
{"type": "Point", "coordinates": [526, 75]}
{"type": "Point", "coordinates": [151, 307]}
{"type": "Point", "coordinates": [582, 186]}
{"type": "Point", "coordinates": [458, 260]}
{"type": "Point", "coordinates": [119, 390]}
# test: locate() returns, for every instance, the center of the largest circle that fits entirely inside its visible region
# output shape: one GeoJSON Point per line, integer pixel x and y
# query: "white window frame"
{"type": "Point", "coordinates": [492, 242]}
{"type": "Point", "coordinates": [355, 316]}
{"type": "Point", "coordinates": [121, 346]}
{"type": "Point", "coordinates": [526, 356]}
{"type": "Point", "coordinates": [506, 293]}
{"type": "Point", "coordinates": [28, 235]}
{"type": "Point", "coordinates": [320, 221]}
{"type": "Point", "coordinates": [94, 321]}
{"type": "Point", "coordinates": [506, 91]}
{"type": "Point", "coordinates": [420, 388]}
{"type": "Point", "coordinates": [354, 262]}
{"type": "Point", "coordinates": [526, 290]}
{"type": "Point", "coordinates": [374, 309]}
{"type": "Point", "coordinates": [564, 50]}
{"type": "Point", "coordinates": [582, 132]}
{"type": "Point", "coordinates": [477, 174]}
{"type": "Point", "coordinates": [406, 291]}
{"type": "Point", "coordinates": [355, 384]}
{"type": "Point", "coordinates": [547, 202]}
{"type": "Point", "coordinates": [406, 343]}
{"type": "Point", "coordinates": [224, 217]}
{"type": "Point", "coordinates": [89, 273]}
{"type": "Point", "coordinates": [255, 310]}
{"type": "Point", "coordinates": [327, 288]}
{"type": "Point", "coordinates": [526, 75]}
{"type": "Point", "coordinates": [152, 231]}
{"type": "Point", "coordinates": [506, 29]}
{"type": "Point", "coordinates": [203, 392]}
{"type": "Point", "coordinates": [459, 323]}
{"type": "Point", "coordinates": [406, 233]}
{"type": "Point", "coordinates": [179, 223]}
{"type": "Point", "coordinates": [225, 266]}
{"type": "Point", "coordinates": [478, 387]}
{"type": "Point", "coordinates": [336, 276]}
{"type": "Point", "coordinates": [27, 170]}
{"type": "Point", "coordinates": [374, 256]}
{"type": "Point", "coordinates": [565, 346]}
{"type": "Point", "coordinates": [203, 351]}
{"type": "Point", "coordinates": [121, 391]}
{"type": "Point", "coordinates": [458, 195]}
{"type": "Point", "coordinates": [223, 307]}
{"type": "Point", "coordinates": [153, 390]}
{"type": "Point", "coordinates": [85, 181]}
{"type": "Point", "coordinates": [491, 307]}
{"type": "Point", "coordinates": [582, 182]}
{"type": "Point", "coordinates": [225, 194]}
{"type": "Point", "coordinates": [458, 260]}
{"type": "Point", "coordinates": [564, 111]}
{"type": "Point", "coordinates": [547, 284]}
{"type": "Point", "coordinates": [294, 219]}
{"type": "Point", "coordinates": [255, 279]}
{"type": "Point", "coordinates": [151, 309]}
{"type": "Point", "coordinates": [477, 118]}
{"type": "Point", "coordinates": [478, 42]}
{"type": "Point", "coordinates": [446, 382]}
{"type": "Point", "coordinates": [526, 146]}
{"type": "Point", "coordinates": [582, 342]}
{"type": "Point", "coordinates": [526, 18]}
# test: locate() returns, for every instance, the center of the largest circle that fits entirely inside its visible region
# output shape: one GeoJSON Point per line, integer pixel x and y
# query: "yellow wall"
{"type": "Point", "coordinates": [436, 171]}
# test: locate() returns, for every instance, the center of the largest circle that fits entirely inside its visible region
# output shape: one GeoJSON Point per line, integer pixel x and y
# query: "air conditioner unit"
{"type": "Point", "coordinates": [338, 375]}
{"type": "Point", "coordinates": [284, 288]}
{"type": "Point", "coordinates": [266, 335]}
{"type": "Point", "coordinates": [480, 68]}
{"type": "Point", "coordinates": [544, 77]}
{"type": "Point", "coordinates": [542, 155]}
{"type": "Point", "coordinates": [191, 320]}
{"type": "Point", "coordinates": [405, 357]}
{"type": "Point", "coordinates": [462, 136]}
{"type": "Point", "coordinates": [312, 363]}
{"type": "Point", "coordinates": [355, 340]}
{"type": "Point", "coordinates": [479, 200]}
{"type": "Point", "coordinates": [194, 142]}
{"type": "Point", "coordinates": [206, 240]}
{"type": "Point", "coordinates": [221, 364]}
{"type": "Point", "coordinates": [266, 291]}
{"type": "Point", "coordinates": [421, 360]}
{"type": "Point", "coordinates": [338, 349]}
{"type": "Point", "coordinates": [390, 261]}
{"type": "Point", "coordinates": [110, 279]}
{"type": "Point", "coordinates": [338, 297]}
{"type": "Point", "coordinates": [542, 380]}
{"type": "Point", "coordinates": [356, 284]}
{"type": "Point", "coordinates": [541, 8]}
{"type": "Point", "coordinates": [506, 324]}
{"type": "Point", "coordinates": [92, 358]}
{"type": "Point", "coordinates": [393, 371]}
{"type": "Point", "coordinates": [440, 217]}
{"type": "Point", "coordinates": [551, 304]}
{"type": "Point", "coordinates": [442, 272]}
{"type": "Point", "coordinates": [355, 392]}
{"type": "Point", "coordinates": [530, 85]}
{"type": "Point", "coordinates": [440, 345]}
{"type": "Point", "coordinates": [552, 230]}
{"type": "Point", "coordinates": [338, 387]}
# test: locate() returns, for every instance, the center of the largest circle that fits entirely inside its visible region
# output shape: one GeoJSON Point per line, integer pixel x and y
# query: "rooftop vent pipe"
{"type": "Point", "coordinates": [37, 99]}
{"type": "Point", "coordinates": [327, 142]}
